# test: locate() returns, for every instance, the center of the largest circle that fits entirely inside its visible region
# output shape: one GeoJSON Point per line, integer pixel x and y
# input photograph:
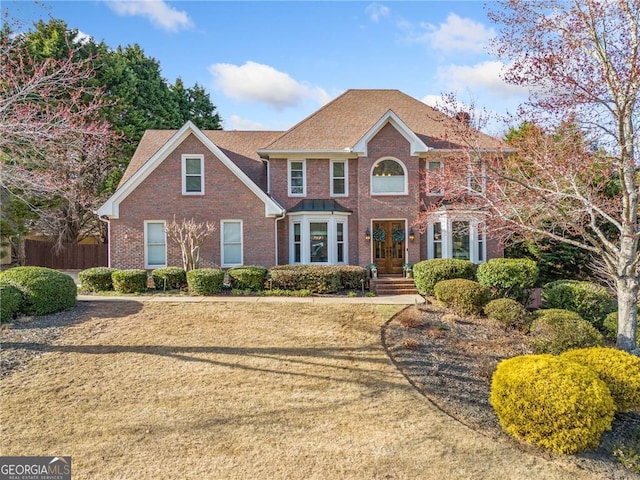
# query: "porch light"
{"type": "Point", "coordinates": [367, 235]}
{"type": "Point", "coordinates": [412, 234]}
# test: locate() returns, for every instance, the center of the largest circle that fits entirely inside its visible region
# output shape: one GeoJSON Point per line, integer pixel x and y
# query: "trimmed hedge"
{"type": "Point", "coordinates": [556, 330]}
{"type": "Point", "coordinates": [509, 277]}
{"type": "Point", "coordinates": [169, 278]}
{"type": "Point", "coordinates": [618, 369]}
{"type": "Point", "coordinates": [248, 277]}
{"type": "Point", "coordinates": [590, 300]}
{"type": "Point", "coordinates": [96, 279]}
{"type": "Point", "coordinates": [130, 281]}
{"type": "Point", "coordinates": [45, 290]}
{"type": "Point", "coordinates": [11, 299]}
{"type": "Point", "coordinates": [316, 278]}
{"type": "Point", "coordinates": [466, 297]}
{"type": "Point", "coordinates": [429, 272]}
{"type": "Point", "coordinates": [509, 313]}
{"type": "Point", "coordinates": [552, 402]}
{"type": "Point", "coordinates": [353, 277]}
{"type": "Point", "coordinates": [205, 281]}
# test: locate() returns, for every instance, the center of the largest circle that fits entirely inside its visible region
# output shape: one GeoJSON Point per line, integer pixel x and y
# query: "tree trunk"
{"type": "Point", "coordinates": [627, 288]}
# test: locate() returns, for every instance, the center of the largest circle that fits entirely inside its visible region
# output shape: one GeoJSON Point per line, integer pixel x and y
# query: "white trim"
{"type": "Point", "coordinates": [222, 242]}
{"type": "Point", "coordinates": [305, 219]}
{"type": "Point", "coordinates": [304, 178]}
{"type": "Point", "coordinates": [111, 208]}
{"type": "Point", "coordinates": [186, 157]}
{"type": "Point", "coordinates": [346, 178]}
{"type": "Point", "coordinates": [446, 223]}
{"type": "Point", "coordinates": [405, 190]}
{"type": "Point", "coordinates": [146, 245]}
{"type": "Point", "coordinates": [417, 146]}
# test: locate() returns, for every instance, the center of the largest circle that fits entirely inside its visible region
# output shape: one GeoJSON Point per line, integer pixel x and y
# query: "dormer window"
{"type": "Point", "coordinates": [388, 177]}
{"type": "Point", "coordinates": [193, 175]}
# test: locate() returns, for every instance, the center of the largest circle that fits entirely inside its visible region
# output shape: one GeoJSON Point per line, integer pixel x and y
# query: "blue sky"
{"type": "Point", "coordinates": [267, 65]}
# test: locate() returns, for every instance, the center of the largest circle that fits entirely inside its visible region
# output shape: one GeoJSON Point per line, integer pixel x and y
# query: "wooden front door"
{"type": "Point", "coordinates": [388, 245]}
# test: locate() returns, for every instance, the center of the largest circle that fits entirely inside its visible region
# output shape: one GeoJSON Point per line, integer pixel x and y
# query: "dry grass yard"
{"type": "Point", "coordinates": [241, 391]}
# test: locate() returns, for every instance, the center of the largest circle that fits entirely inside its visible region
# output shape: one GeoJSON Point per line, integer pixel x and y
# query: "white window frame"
{"type": "Point", "coordinates": [345, 178]}
{"type": "Point", "coordinates": [440, 192]}
{"type": "Point", "coordinates": [305, 220]}
{"type": "Point", "coordinates": [184, 174]}
{"type": "Point", "coordinates": [476, 241]}
{"type": "Point", "coordinates": [405, 173]}
{"type": "Point", "coordinates": [146, 244]}
{"type": "Point", "coordinates": [304, 178]}
{"type": "Point", "coordinates": [483, 179]}
{"type": "Point", "coordinates": [223, 243]}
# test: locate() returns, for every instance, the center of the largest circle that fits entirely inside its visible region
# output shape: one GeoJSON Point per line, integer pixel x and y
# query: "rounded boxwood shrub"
{"type": "Point", "coordinates": [11, 299]}
{"type": "Point", "coordinates": [248, 277]}
{"type": "Point", "coordinates": [130, 281]}
{"type": "Point", "coordinates": [556, 330]}
{"type": "Point", "coordinates": [96, 279]}
{"type": "Point", "coordinates": [618, 369]}
{"type": "Point", "coordinates": [169, 278]}
{"type": "Point", "coordinates": [509, 313]}
{"type": "Point", "coordinates": [552, 402]}
{"type": "Point", "coordinates": [466, 297]}
{"type": "Point", "coordinates": [45, 290]}
{"type": "Point", "coordinates": [509, 277]}
{"type": "Point", "coordinates": [590, 300]}
{"type": "Point", "coordinates": [205, 281]}
{"type": "Point", "coordinates": [610, 326]}
{"type": "Point", "coordinates": [429, 272]}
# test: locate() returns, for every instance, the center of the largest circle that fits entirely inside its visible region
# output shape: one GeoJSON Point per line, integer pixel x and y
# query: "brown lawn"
{"type": "Point", "coordinates": [241, 391]}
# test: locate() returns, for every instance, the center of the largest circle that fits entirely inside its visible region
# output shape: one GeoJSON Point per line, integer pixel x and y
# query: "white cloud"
{"type": "Point", "coordinates": [455, 34]}
{"type": "Point", "coordinates": [484, 75]}
{"type": "Point", "coordinates": [83, 38]}
{"type": "Point", "coordinates": [256, 82]}
{"type": "Point", "coordinates": [375, 11]}
{"type": "Point", "coordinates": [236, 122]}
{"type": "Point", "coordinates": [158, 12]}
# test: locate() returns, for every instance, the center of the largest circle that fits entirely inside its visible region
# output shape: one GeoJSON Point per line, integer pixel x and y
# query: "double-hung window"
{"type": "Point", "coordinates": [318, 239]}
{"type": "Point", "coordinates": [457, 237]}
{"type": "Point", "coordinates": [155, 244]}
{"type": "Point", "coordinates": [434, 178]}
{"type": "Point", "coordinates": [231, 243]}
{"type": "Point", "coordinates": [297, 178]}
{"type": "Point", "coordinates": [339, 178]}
{"type": "Point", "coordinates": [192, 174]}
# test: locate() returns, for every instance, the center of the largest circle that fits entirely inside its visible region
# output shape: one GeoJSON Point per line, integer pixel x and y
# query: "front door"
{"type": "Point", "coordinates": [388, 245]}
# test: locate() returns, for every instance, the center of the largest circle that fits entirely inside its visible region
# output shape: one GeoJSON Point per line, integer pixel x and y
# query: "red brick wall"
{"type": "Point", "coordinates": [159, 197]}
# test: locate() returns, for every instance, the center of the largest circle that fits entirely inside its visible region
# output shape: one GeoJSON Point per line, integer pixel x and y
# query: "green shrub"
{"type": "Point", "coordinates": [11, 299]}
{"type": "Point", "coordinates": [556, 330]}
{"type": "Point", "coordinates": [96, 279]}
{"type": "Point", "coordinates": [509, 313]}
{"type": "Point", "coordinates": [316, 278]}
{"type": "Point", "coordinates": [509, 277]}
{"type": "Point", "coordinates": [352, 277]}
{"type": "Point", "coordinates": [130, 281]}
{"type": "Point", "coordinates": [618, 369]}
{"type": "Point", "coordinates": [45, 290]}
{"type": "Point", "coordinates": [551, 402]}
{"type": "Point", "coordinates": [205, 281]}
{"type": "Point", "coordinates": [429, 272]}
{"type": "Point", "coordinates": [610, 326]}
{"type": "Point", "coordinates": [248, 277]}
{"type": "Point", "coordinates": [590, 300]}
{"type": "Point", "coordinates": [169, 278]}
{"type": "Point", "coordinates": [466, 297]}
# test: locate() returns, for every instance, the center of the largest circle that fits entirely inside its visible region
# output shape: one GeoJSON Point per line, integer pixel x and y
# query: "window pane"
{"type": "Point", "coordinates": [460, 239]}
{"type": "Point", "coordinates": [296, 166]}
{"type": "Point", "coordinates": [155, 255]}
{"type": "Point", "coordinates": [338, 185]}
{"type": "Point", "coordinates": [318, 242]}
{"type": "Point", "coordinates": [232, 232]}
{"type": "Point", "coordinates": [232, 254]}
{"type": "Point", "coordinates": [193, 166]}
{"type": "Point", "coordinates": [297, 253]}
{"type": "Point", "coordinates": [388, 167]}
{"type": "Point", "coordinates": [296, 232]}
{"type": "Point", "coordinates": [340, 258]}
{"type": "Point", "coordinates": [389, 184]}
{"type": "Point", "coordinates": [338, 169]}
{"type": "Point", "coordinates": [194, 184]}
{"type": "Point", "coordinates": [155, 233]}
{"type": "Point", "coordinates": [340, 232]}
{"type": "Point", "coordinates": [437, 232]}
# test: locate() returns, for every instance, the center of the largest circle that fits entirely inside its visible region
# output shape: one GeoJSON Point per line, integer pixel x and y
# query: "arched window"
{"type": "Point", "coordinates": [388, 177]}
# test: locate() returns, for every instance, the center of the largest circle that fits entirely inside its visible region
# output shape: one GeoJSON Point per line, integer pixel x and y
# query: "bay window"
{"type": "Point", "coordinates": [318, 239]}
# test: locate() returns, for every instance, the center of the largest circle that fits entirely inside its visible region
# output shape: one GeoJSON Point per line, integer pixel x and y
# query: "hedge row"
{"type": "Point", "coordinates": [317, 278]}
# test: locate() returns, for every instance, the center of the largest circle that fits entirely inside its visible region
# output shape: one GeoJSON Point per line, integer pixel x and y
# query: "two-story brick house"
{"type": "Point", "coordinates": [343, 186]}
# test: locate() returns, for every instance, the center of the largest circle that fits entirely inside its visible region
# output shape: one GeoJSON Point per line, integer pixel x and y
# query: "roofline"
{"type": "Point", "coordinates": [390, 117]}
{"type": "Point", "coordinates": [265, 153]}
{"type": "Point", "coordinates": [111, 208]}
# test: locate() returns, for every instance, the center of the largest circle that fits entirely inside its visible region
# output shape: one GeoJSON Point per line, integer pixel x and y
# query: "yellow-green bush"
{"type": "Point", "coordinates": [618, 369]}
{"type": "Point", "coordinates": [551, 402]}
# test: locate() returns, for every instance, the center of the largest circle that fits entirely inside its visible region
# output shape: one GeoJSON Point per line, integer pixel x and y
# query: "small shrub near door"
{"type": "Point", "coordinates": [169, 278]}
{"type": "Point", "coordinates": [130, 281]}
{"type": "Point", "coordinates": [466, 297]}
{"type": "Point", "coordinates": [556, 331]}
{"type": "Point", "coordinates": [45, 290]}
{"type": "Point", "coordinates": [429, 272]}
{"type": "Point", "coordinates": [96, 279]}
{"type": "Point", "coordinates": [551, 402]}
{"type": "Point", "coordinates": [11, 299]}
{"type": "Point", "coordinates": [205, 281]}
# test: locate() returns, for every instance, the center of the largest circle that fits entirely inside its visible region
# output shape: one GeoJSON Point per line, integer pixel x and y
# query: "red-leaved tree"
{"type": "Point", "coordinates": [574, 174]}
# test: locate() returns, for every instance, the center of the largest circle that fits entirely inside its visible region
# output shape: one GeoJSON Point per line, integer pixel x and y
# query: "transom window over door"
{"type": "Point", "coordinates": [388, 177]}
{"type": "Point", "coordinates": [192, 175]}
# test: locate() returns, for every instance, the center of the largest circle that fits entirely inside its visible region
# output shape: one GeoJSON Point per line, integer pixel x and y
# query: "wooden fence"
{"type": "Point", "coordinates": [72, 257]}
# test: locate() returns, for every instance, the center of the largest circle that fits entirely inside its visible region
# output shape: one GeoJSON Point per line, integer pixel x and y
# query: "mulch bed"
{"type": "Point", "coordinates": [450, 360]}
